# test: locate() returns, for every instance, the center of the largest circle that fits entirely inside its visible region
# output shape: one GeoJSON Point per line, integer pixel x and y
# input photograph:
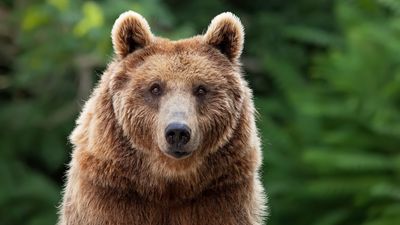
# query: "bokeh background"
{"type": "Point", "coordinates": [326, 78]}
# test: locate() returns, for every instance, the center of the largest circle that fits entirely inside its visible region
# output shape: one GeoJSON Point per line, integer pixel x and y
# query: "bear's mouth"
{"type": "Point", "coordinates": [178, 154]}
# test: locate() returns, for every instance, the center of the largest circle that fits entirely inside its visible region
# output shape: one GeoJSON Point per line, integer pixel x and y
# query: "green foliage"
{"type": "Point", "coordinates": [336, 139]}
{"type": "Point", "coordinates": [326, 76]}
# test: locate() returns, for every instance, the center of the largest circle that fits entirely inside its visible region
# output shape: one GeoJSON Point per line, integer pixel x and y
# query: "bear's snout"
{"type": "Point", "coordinates": [177, 136]}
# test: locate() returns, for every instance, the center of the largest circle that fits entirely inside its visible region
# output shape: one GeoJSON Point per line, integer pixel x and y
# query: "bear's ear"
{"type": "Point", "coordinates": [226, 33]}
{"type": "Point", "coordinates": [129, 33]}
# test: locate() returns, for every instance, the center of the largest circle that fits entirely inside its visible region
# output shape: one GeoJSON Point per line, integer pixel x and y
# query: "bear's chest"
{"type": "Point", "coordinates": [122, 210]}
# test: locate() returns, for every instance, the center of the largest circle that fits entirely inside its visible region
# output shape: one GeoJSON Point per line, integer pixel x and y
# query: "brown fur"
{"type": "Point", "coordinates": [119, 173]}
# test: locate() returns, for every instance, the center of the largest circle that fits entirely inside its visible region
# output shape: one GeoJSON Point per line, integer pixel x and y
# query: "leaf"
{"type": "Point", "coordinates": [92, 18]}
{"type": "Point", "coordinates": [33, 18]}
{"type": "Point", "coordinates": [330, 159]}
{"type": "Point", "coordinates": [61, 5]}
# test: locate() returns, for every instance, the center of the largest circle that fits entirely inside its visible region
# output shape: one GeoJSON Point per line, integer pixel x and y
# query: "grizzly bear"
{"type": "Point", "coordinates": [168, 136]}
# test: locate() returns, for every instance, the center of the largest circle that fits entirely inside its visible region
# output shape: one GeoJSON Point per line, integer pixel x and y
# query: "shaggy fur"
{"type": "Point", "coordinates": [119, 173]}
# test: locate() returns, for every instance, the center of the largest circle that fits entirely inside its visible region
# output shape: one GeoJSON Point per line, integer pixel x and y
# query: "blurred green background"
{"type": "Point", "coordinates": [326, 76]}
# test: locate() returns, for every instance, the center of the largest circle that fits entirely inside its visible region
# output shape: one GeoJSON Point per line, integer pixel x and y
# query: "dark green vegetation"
{"type": "Point", "coordinates": [326, 76]}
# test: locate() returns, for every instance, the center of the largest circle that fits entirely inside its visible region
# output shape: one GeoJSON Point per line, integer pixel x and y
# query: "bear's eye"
{"type": "Point", "coordinates": [156, 90]}
{"type": "Point", "coordinates": [200, 91]}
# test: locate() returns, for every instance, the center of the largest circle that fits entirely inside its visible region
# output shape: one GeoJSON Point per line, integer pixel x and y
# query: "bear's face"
{"type": "Point", "coordinates": [177, 100]}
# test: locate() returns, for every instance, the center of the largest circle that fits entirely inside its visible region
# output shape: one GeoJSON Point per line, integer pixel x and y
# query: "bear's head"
{"type": "Point", "coordinates": [177, 101]}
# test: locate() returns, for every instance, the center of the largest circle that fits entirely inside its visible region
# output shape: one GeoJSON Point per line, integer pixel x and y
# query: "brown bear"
{"type": "Point", "coordinates": [168, 136]}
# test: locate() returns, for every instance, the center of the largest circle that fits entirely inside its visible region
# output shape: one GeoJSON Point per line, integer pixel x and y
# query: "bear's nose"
{"type": "Point", "coordinates": [177, 134]}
